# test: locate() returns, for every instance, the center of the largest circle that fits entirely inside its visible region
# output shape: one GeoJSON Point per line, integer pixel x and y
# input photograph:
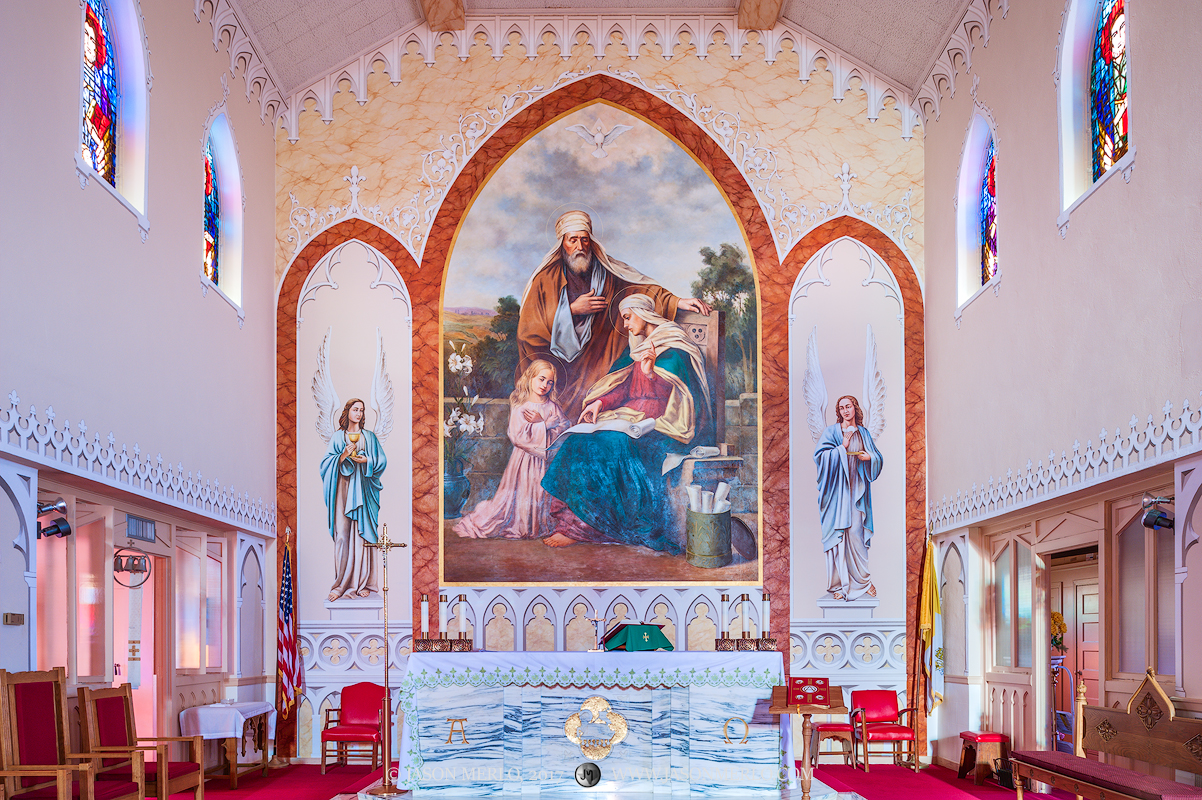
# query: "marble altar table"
{"type": "Point", "coordinates": [656, 723]}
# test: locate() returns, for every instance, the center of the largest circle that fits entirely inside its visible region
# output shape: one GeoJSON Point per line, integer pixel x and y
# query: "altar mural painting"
{"type": "Point", "coordinates": [354, 417]}
{"type": "Point", "coordinates": [847, 437]}
{"type": "Point", "coordinates": [533, 346]}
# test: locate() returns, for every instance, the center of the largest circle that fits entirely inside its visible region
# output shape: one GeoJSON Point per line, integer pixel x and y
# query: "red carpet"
{"type": "Point", "coordinates": [294, 782]}
{"type": "Point", "coordinates": [889, 782]}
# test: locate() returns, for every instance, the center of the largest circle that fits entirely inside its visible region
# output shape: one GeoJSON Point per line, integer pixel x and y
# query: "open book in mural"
{"type": "Point", "coordinates": [848, 462]}
{"type": "Point", "coordinates": [600, 349]}
{"type": "Point", "coordinates": [351, 470]}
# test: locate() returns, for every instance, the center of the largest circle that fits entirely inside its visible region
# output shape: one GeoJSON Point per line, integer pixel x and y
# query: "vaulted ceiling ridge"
{"type": "Point", "coordinates": [226, 20]}
{"type": "Point", "coordinates": [954, 56]}
{"type": "Point", "coordinates": [703, 29]}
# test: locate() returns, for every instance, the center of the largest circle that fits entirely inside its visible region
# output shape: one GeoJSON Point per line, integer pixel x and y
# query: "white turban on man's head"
{"type": "Point", "coordinates": [572, 222]}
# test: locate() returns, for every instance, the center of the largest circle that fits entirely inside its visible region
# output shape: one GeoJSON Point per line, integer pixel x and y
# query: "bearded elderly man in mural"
{"type": "Point", "coordinates": [569, 312]}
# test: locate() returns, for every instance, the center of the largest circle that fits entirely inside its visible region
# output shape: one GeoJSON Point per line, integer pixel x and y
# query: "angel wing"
{"type": "Point", "coordinates": [615, 132]}
{"type": "Point", "coordinates": [582, 131]}
{"type": "Point", "coordinates": [874, 390]}
{"type": "Point", "coordinates": [381, 393]}
{"type": "Point", "coordinates": [323, 391]}
{"type": "Point", "coordinates": [813, 389]}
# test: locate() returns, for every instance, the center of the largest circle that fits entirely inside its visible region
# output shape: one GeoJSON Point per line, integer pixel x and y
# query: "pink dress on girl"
{"type": "Point", "coordinates": [519, 509]}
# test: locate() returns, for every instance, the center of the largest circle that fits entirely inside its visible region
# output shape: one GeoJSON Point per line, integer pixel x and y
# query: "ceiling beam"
{"type": "Point", "coordinates": [758, 15]}
{"type": "Point", "coordinates": [444, 15]}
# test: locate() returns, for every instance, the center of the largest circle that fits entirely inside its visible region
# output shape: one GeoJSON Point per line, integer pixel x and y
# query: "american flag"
{"type": "Point", "coordinates": [288, 664]}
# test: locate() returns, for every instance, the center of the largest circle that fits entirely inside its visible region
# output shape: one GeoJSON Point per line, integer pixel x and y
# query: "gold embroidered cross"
{"type": "Point", "coordinates": [646, 637]}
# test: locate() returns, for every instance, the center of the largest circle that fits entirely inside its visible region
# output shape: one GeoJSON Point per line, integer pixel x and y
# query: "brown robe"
{"type": "Point", "coordinates": [609, 337]}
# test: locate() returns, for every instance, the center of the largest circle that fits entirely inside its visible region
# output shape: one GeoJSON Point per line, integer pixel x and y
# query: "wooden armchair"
{"type": "Point", "coordinates": [875, 718]}
{"type": "Point", "coordinates": [34, 760]}
{"type": "Point", "coordinates": [106, 721]}
{"type": "Point", "coordinates": [359, 722]}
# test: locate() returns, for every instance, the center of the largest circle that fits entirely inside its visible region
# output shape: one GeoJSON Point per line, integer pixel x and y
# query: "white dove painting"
{"type": "Point", "coordinates": [598, 136]}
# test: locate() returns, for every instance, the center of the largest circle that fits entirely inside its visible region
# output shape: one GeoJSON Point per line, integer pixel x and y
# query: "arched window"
{"type": "Point", "coordinates": [1092, 76]}
{"type": "Point", "coordinates": [114, 80]}
{"type": "Point", "coordinates": [101, 96]}
{"type": "Point", "coordinates": [1108, 87]}
{"type": "Point", "coordinates": [212, 218]}
{"type": "Point", "coordinates": [977, 265]}
{"type": "Point", "coordinates": [221, 256]}
{"type": "Point", "coordinates": [989, 218]}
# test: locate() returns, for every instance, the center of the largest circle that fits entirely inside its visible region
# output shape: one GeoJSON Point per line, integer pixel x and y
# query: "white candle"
{"type": "Point", "coordinates": [463, 616]}
{"type": "Point", "coordinates": [425, 616]}
{"type": "Point", "coordinates": [442, 616]}
{"type": "Point", "coordinates": [743, 616]}
{"type": "Point", "coordinates": [722, 607]}
{"type": "Point", "coordinates": [766, 617]}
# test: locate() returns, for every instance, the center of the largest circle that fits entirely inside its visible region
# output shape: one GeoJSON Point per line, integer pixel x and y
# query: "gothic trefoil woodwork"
{"type": "Point", "coordinates": [1149, 711]}
{"type": "Point", "coordinates": [1106, 730]}
{"type": "Point", "coordinates": [1194, 746]}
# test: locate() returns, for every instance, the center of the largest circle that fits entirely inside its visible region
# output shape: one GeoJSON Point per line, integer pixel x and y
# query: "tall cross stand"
{"type": "Point", "coordinates": [387, 788]}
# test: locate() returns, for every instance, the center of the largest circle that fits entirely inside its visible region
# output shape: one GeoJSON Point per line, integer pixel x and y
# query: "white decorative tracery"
{"type": "Point", "coordinates": [757, 162]}
{"type": "Point", "coordinates": [386, 276]}
{"type": "Point", "coordinates": [1153, 443]}
{"type": "Point", "coordinates": [41, 441]}
{"type": "Point", "coordinates": [957, 53]}
{"type": "Point", "coordinates": [665, 32]}
{"type": "Point", "coordinates": [243, 53]}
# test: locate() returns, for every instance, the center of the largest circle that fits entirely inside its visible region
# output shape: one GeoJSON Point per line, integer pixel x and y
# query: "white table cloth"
{"type": "Point", "coordinates": [224, 720]}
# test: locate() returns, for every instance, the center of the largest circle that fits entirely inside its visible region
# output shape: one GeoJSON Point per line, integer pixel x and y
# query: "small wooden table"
{"type": "Point", "coordinates": [780, 705]}
{"type": "Point", "coordinates": [232, 722]}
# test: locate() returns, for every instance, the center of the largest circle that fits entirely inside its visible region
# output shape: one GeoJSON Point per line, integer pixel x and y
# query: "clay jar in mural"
{"type": "Point", "coordinates": [350, 473]}
{"type": "Point", "coordinates": [589, 286]}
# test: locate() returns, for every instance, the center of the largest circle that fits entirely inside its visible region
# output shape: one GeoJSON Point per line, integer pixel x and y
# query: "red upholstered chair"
{"type": "Point", "coordinates": [359, 723]}
{"type": "Point", "coordinates": [106, 722]}
{"type": "Point", "coordinates": [34, 760]}
{"type": "Point", "coordinates": [875, 718]}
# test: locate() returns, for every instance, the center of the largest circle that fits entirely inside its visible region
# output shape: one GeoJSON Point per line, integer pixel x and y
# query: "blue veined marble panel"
{"type": "Point", "coordinates": [628, 767]}
{"type": "Point", "coordinates": [449, 766]}
{"type": "Point", "coordinates": [728, 752]}
{"type": "Point", "coordinates": [661, 739]}
{"type": "Point", "coordinates": [679, 727]}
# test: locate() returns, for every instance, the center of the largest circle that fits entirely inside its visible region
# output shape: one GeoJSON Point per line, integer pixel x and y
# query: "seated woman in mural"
{"type": "Point", "coordinates": [607, 478]}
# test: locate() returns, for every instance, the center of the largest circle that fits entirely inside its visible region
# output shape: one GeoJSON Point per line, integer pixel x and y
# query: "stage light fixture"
{"type": "Point", "coordinates": [59, 527]}
{"type": "Point", "coordinates": [59, 505]}
{"type": "Point", "coordinates": [1155, 518]}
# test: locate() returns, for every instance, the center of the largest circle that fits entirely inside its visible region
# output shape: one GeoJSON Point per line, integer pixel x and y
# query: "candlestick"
{"type": "Point", "coordinates": [442, 616]}
{"type": "Point", "coordinates": [765, 617]}
{"type": "Point", "coordinates": [743, 620]}
{"type": "Point", "coordinates": [722, 606]}
{"type": "Point", "coordinates": [463, 616]}
{"type": "Point", "coordinates": [425, 616]}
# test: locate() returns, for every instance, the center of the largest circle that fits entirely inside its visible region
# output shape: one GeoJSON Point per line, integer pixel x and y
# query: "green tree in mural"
{"type": "Point", "coordinates": [726, 283]}
{"type": "Point", "coordinates": [496, 357]}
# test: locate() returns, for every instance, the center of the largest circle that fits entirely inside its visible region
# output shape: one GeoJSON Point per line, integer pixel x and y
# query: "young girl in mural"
{"type": "Point", "coordinates": [519, 509]}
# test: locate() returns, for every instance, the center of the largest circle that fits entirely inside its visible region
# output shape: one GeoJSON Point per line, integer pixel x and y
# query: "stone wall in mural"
{"type": "Point", "coordinates": [600, 357]}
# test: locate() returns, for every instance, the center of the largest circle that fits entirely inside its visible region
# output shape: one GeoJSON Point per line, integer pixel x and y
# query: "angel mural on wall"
{"type": "Point", "coordinates": [848, 462]}
{"type": "Point", "coordinates": [351, 470]}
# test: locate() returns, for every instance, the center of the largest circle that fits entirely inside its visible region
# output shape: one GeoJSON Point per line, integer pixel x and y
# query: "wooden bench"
{"type": "Point", "coordinates": [1148, 729]}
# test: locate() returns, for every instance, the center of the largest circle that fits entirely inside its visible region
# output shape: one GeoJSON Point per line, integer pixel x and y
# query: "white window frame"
{"type": "Point", "coordinates": [967, 203]}
{"type": "Point", "coordinates": [219, 131]}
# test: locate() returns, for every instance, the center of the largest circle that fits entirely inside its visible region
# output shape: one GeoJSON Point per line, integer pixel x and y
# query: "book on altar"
{"type": "Point", "coordinates": [809, 691]}
{"type": "Point", "coordinates": [636, 636]}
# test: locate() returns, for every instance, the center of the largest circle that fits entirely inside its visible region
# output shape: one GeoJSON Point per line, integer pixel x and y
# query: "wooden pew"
{"type": "Point", "coordinates": [1148, 729]}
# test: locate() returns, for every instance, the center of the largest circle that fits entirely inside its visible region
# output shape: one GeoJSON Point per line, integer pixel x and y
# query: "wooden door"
{"type": "Point", "coordinates": [1086, 631]}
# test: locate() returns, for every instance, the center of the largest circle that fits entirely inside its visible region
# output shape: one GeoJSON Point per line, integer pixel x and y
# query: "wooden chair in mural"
{"type": "Point", "coordinates": [106, 722]}
{"type": "Point", "coordinates": [709, 334]}
{"type": "Point", "coordinates": [875, 718]}
{"type": "Point", "coordinates": [358, 723]}
{"type": "Point", "coordinates": [35, 762]}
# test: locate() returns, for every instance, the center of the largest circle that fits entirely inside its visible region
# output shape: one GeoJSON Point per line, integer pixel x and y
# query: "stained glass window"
{"type": "Point", "coordinates": [1108, 87]}
{"type": "Point", "coordinates": [212, 216]}
{"type": "Point", "coordinates": [100, 99]}
{"type": "Point", "coordinates": [989, 218]}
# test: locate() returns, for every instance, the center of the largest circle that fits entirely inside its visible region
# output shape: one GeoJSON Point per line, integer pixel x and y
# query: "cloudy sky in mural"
{"type": "Point", "coordinates": [652, 207]}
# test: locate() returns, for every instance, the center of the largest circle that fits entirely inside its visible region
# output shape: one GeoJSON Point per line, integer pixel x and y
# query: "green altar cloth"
{"type": "Point", "coordinates": [637, 637]}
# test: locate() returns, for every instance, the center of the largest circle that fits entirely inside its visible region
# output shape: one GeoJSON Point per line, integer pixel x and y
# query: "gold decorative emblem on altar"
{"type": "Point", "coordinates": [600, 733]}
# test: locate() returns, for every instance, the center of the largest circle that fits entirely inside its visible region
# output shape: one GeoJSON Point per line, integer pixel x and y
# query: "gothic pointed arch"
{"type": "Point", "coordinates": [775, 291]}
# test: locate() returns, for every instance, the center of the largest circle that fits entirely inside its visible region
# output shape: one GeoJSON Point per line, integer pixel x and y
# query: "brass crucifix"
{"type": "Point", "coordinates": [387, 788]}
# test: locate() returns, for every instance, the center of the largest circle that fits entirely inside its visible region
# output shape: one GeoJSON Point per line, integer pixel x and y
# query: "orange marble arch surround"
{"type": "Point", "coordinates": [775, 291]}
{"type": "Point", "coordinates": [775, 285]}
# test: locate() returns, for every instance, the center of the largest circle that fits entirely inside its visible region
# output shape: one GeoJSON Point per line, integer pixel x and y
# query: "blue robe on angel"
{"type": "Point", "coordinates": [352, 495]}
{"type": "Point", "coordinates": [845, 506]}
{"type": "Point", "coordinates": [610, 487]}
